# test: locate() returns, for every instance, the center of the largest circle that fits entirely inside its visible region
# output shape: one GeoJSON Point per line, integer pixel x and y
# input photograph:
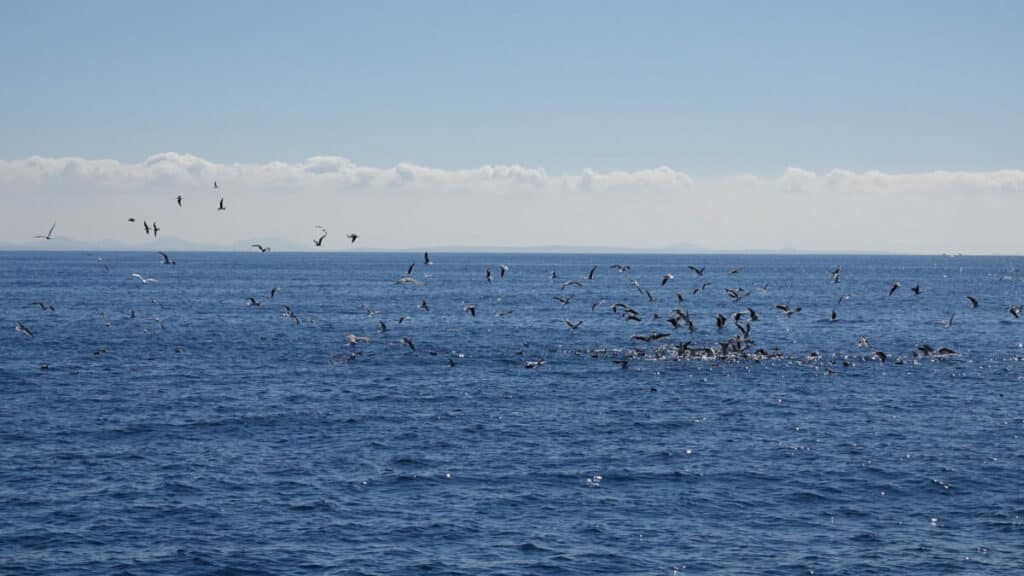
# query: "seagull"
{"type": "Point", "coordinates": [167, 259]}
{"type": "Point", "coordinates": [863, 342]}
{"type": "Point", "coordinates": [1015, 310]}
{"type": "Point", "coordinates": [697, 271]}
{"type": "Point", "coordinates": [426, 259]}
{"type": "Point", "coordinates": [22, 328]}
{"type": "Point", "coordinates": [44, 306]}
{"type": "Point", "coordinates": [260, 247]}
{"type": "Point", "coordinates": [142, 279]}
{"type": "Point", "coordinates": [179, 200]}
{"type": "Point", "coordinates": [503, 268]}
{"type": "Point", "coordinates": [974, 301]}
{"type": "Point", "coordinates": [787, 310]}
{"type": "Point", "coordinates": [894, 287]}
{"type": "Point", "coordinates": [221, 206]}
{"type": "Point", "coordinates": [49, 235]}
{"type": "Point", "coordinates": [666, 278]}
{"type": "Point", "coordinates": [573, 325]}
{"type": "Point", "coordinates": [319, 241]}
{"type": "Point", "coordinates": [352, 237]}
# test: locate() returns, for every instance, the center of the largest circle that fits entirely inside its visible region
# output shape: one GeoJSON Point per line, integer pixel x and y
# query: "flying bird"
{"type": "Point", "coordinates": [573, 325]}
{"type": "Point", "coordinates": [916, 289]}
{"type": "Point", "coordinates": [274, 291]}
{"type": "Point", "coordinates": [894, 287]}
{"type": "Point", "coordinates": [502, 268]}
{"type": "Point", "coordinates": [166, 259]}
{"type": "Point", "coordinates": [179, 200]}
{"type": "Point", "coordinates": [352, 237]}
{"type": "Point", "coordinates": [44, 306]}
{"type": "Point", "coordinates": [593, 271]}
{"type": "Point", "coordinates": [215, 185]}
{"type": "Point", "coordinates": [666, 278]}
{"type": "Point", "coordinates": [426, 259]}
{"type": "Point", "coordinates": [48, 235]}
{"type": "Point", "coordinates": [253, 302]}
{"type": "Point", "coordinates": [1015, 310]}
{"type": "Point", "coordinates": [787, 310]}
{"type": "Point", "coordinates": [408, 271]}
{"type": "Point", "coordinates": [408, 342]}
{"type": "Point", "coordinates": [142, 279]}
{"type": "Point", "coordinates": [697, 271]}
{"type": "Point", "coordinates": [221, 205]}
{"type": "Point", "coordinates": [489, 276]}
{"type": "Point", "coordinates": [471, 309]}
{"type": "Point", "coordinates": [22, 328]}
{"type": "Point", "coordinates": [145, 225]}
{"type": "Point", "coordinates": [260, 247]}
{"type": "Point", "coordinates": [973, 301]}
{"type": "Point", "coordinates": [318, 242]}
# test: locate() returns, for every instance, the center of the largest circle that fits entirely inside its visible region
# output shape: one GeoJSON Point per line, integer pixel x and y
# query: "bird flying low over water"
{"type": "Point", "coordinates": [471, 309]}
{"type": "Point", "coordinates": [22, 328]}
{"type": "Point", "coordinates": [253, 302]}
{"type": "Point", "coordinates": [666, 278]}
{"type": "Point", "coordinates": [408, 342]}
{"type": "Point", "coordinates": [502, 268]}
{"type": "Point", "coordinates": [166, 259]}
{"type": "Point", "coordinates": [489, 276]}
{"type": "Point", "coordinates": [274, 291]}
{"type": "Point", "coordinates": [697, 271]}
{"type": "Point", "coordinates": [787, 310]}
{"type": "Point", "coordinates": [48, 235]}
{"type": "Point", "coordinates": [260, 247]}
{"type": "Point", "coordinates": [973, 301]}
{"type": "Point", "coordinates": [426, 259]}
{"type": "Point", "coordinates": [573, 325]}
{"type": "Point", "coordinates": [894, 287]}
{"type": "Point", "coordinates": [44, 306]}
{"type": "Point", "coordinates": [142, 279]}
{"type": "Point", "coordinates": [1015, 311]}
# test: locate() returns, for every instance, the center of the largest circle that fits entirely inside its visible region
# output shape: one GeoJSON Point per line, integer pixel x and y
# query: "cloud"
{"type": "Point", "coordinates": [414, 206]}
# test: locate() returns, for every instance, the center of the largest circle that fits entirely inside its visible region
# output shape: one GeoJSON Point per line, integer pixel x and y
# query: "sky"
{"type": "Point", "coordinates": [869, 126]}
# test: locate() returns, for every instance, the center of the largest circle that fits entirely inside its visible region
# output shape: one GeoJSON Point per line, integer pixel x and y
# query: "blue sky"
{"type": "Point", "coordinates": [710, 88]}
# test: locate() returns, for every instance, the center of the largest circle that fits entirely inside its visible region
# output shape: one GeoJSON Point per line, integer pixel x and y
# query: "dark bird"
{"type": "Point", "coordinates": [408, 271]}
{"type": "Point", "coordinates": [166, 259]}
{"type": "Point", "coordinates": [48, 235]}
{"type": "Point", "coordinates": [352, 237]}
{"type": "Point", "coordinates": [568, 283]}
{"type": "Point", "coordinates": [288, 313]}
{"type": "Point", "coordinates": [22, 328]}
{"type": "Point", "coordinates": [735, 271]}
{"type": "Point", "coordinates": [426, 259]}
{"type": "Point", "coordinates": [489, 276]}
{"type": "Point", "coordinates": [620, 267]}
{"type": "Point", "coordinates": [145, 225]}
{"type": "Point", "coordinates": [753, 315]}
{"type": "Point", "coordinates": [894, 287]}
{"type": "Point", "coordinates": [666, 278]}
{"type": "Point", "coordinates": [318, 242]}
{"type": "Point", "coordinates": [155, 229]}
{"type": "Point", "coordinates": [408, 342]}
{"type": "Point", "coordinates": [261, 248]}
{"type": "Point", "coordinates": [424, 306]}
{"type": "Point", "coordinates": [44, 306]}
{"type": "Point", "coordinates": [253, 302]}
{"type": "Point", "coordinates": [381, 327]}
{"type": "Point", "coordinates": [719, 321]}
{"type": "Point", "coordinates": [221, 205]}
{"type": "Point", "coordinates": [179, 200]}
{"type": "Point", "coordinates": [565, 301]}
{"type": "Point", "coordinates": [471, 309]}
{"type": "Point", "coordinates": [701, 288]}
{"type": "Point", "coordinates": [697, 271]}
{"type": "Point", "coordinates": [592, 272]}
{"type": "Point", "coordinates": [834, 274]}
{"type": "Point", "coordinates": [787, 310]}
{"type": "Point", "coordinates": [835, 316]}
{"type": "Point", "coordinates": [916, 289]}
{"type": "Point", "coordinates": [573, 325]}
{"type": "Point", "coordinates": [1015, 310]}
{"type": "Point", "coordinates": [948, 322]}
{"type": "Point", "coordinates": [502, 268]}
{"type": "Point", "coordinates": [215, 185]}
{"type": "Point", "coordinates": [623, 363]}
{"type": "Point", "coordinates": [274, 291]}
{"type": "Point", "coordinates": [131, 219]}
{"type": "Point", "coordinates": [973, 301]}
{"type": "Point", "coordinates": [882, 356]}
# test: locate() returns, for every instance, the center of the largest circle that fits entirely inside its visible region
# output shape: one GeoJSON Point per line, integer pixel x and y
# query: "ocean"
{"type": "Point", "coordinates": [175, 427]}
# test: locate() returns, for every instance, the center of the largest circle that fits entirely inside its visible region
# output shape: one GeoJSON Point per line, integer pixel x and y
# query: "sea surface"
{"type": "Point", "coordinates": [205, 435]}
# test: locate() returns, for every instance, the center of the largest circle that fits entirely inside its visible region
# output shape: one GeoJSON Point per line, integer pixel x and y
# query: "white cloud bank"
{"type": "Point", "coordinates": [410, 206]}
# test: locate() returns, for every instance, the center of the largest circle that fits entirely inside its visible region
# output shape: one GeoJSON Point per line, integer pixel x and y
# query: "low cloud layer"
{"type": "Point", "coordinates": [412, 207]}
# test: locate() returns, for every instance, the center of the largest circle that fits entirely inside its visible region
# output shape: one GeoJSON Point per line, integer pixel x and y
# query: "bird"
{"type": "Point", "coordinates": [834, 274]}
{"type": "Point", "coordinates": [489, 276]}
{"type": "Point", "coordinates": [261, 248]}
{"type": "Point", "coordinates": [352, 237]}
{"type": "Point", "coordinates": [787, 310]}
{"type": "Point", "coordinates": [274, 291]}
{"type": "Point", "coordinates": [318, 242]}
{"type": "Point", "coordinates": [44, 306]}
{"type": "Point", "coordinates": [593, 271]}
{"type": "Point", "coordinates": [701, 288]}
{"type": "Point", "coordinates": [948, 322]}
{"type": "Point", "coordinates": [894, 287]}
{"type": "Point", "coordinates": [916, 289]}
{"type": "Point", "coordinates": [221, 205]}
{"type": "Point", "coordinates": [568, 283]}
{"type": "Point", "coordinates": [142, 279]}
{"type": "Point", "coordinates": [471, 309]}
{"type": "Point", "coordinates": [215, 185]}
{"type": "Point", "coordinates": [408, 342]}
{"type": "Point", "coordinates": [253, 302]}
{"type": "Point", "coordinates": [530, 364]}
{"type": "Point", "coordinates": [131, 219]}
{"type": "Point", "coordinates": [145, 225]}
{"type": "Point", "coordinates": [502, 268]}
{"type": "Point", "coordinates": [48, 235]}
{"type": "Point", "coordinates": [623, 363]}
{"type": "Point", "coordinates": [973, 301]}
{"type": "Point", "coordinates": [1015, 311]}
{"type": "Point", "coordinates": [408, 271]}
{"type": "Point", "coordinates": [426, 259]}
{"type": "Point", "coordinates": [835, 316]}
{"type": "Point", "coordinates": [573, 325]}
{"type": "Point", "coordinates": [381, 327]}
{"type": "Point", "coordinates": [719, 321]}
{"type": "Point", "coordinates": [22, 328]}
{"type": "Point", "coordinates": [697, 271]}
{"type": "Point", "coordinates": [666, 278]}
{"type": "Point", "coordinates": [179, 200]}
{"type": "Point", "coordinates": [565, 301]}
{"type": "Point", "coordinates": [155, 229]}
{"type": "Point", "coordinates": [166, 259]}
{"type": "Point", "coordinates": [288, 313]}
{"type": "Point", "coordinates": [424, 306]}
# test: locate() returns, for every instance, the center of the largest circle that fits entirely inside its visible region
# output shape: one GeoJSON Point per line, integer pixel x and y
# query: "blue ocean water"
{"type": "Point", "coordinates": [208, 436]}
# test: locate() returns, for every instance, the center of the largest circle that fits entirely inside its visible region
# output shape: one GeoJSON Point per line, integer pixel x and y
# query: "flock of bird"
{"type": "Point", "coordinates": [733, 332]}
